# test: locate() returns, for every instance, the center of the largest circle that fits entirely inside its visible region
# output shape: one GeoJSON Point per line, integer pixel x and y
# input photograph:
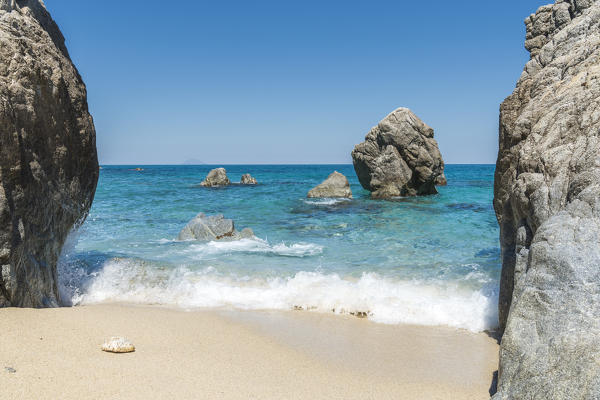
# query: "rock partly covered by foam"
{"type": "Point", "coordinates": [216, 177]}
{"type": "Point", "coordinates": [336, 185]}
{"type": "Point", "coordinates": [399, 157]}
{"type": "Point", "coordinates": [247, 179]}
{"type": "Point", "coordinates": [547, 201]}
{"type": "Point", "coordinates": [214, 227]}
{"type": "Point", "coordinates": [48, 162]}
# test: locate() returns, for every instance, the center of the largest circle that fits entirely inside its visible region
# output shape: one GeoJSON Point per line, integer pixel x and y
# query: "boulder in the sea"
{"type": "Point", "coordinates": [117, 344]}
{"type": "Point", "coordinates": [48, 162]}
{"type": "Point", "coordinates": [547, 201]}
{"type": "Point", "coordinates": [214, 227]}
{"type": "Point", "coordinates": [399, 157]}
{"type": "Point", "coordinates": [216, 177]}
{"type": "Point", "coordinates": [336, 185]}
{"type": "Point", "coordinates": [248, 179]}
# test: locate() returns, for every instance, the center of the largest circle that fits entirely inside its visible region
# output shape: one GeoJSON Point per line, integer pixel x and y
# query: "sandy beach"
{"type": "Point", "coordinates": [235, 355]}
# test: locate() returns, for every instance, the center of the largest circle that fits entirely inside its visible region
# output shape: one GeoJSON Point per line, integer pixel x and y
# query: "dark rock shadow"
{"type": "Point", "coordinates": [495, 334]}
{"type": "Point", "coordinates": [494, 386]}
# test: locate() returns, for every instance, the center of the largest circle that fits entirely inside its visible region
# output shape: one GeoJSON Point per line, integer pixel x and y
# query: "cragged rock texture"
{"type": "Point", "coordinates": [216, 177]}
{"type": "Point", "coordinates": [399, 157]}
{"type": "Point", "coordinates": [547, 200]}
{"type": "Point", "coordinates": [248, 179]}
{"type": "Point", "coordinates": [214, 227]}
{"type": "Point", "coordinates": [48, 162]}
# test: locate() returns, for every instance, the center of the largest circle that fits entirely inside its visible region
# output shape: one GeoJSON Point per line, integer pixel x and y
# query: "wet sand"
{"type": "Point", "coordinates": [235, 355]}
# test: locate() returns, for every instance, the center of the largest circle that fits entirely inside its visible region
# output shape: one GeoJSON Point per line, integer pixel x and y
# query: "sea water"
{"type": "Point", "coordinates": [431, 260]}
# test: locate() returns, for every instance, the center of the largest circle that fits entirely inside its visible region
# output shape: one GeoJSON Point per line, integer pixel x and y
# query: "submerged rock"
{"type": "Point", "coordinates": [547, 201]}
{"type": "Point", "coordinates": [216, 177]}
{"type": "Point", "coordinates": [336, 185]}
{"type": "Point", "coordinates": [48, 162]}
{"type": "Point", "coordinates": [118, 344]}
{"type": "Point", "coordinates": [214, 227]}
{"type": "Point", "coordinates": [399, 157]}
{"type": "Point", "coordinates": [247, 179]}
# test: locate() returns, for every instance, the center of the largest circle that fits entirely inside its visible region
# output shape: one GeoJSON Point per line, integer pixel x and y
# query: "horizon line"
{"type": "Point", "coordinates": [257, 164]}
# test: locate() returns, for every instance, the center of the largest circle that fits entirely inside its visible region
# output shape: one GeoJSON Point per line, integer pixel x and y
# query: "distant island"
{"type": "Point", "coordinates": [193, 161]}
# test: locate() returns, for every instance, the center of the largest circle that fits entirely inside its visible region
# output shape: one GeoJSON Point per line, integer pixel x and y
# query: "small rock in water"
{"type": "Point", "coordinates": [215, 227]}
{"type": "Point", "coordinates": [118, 345]}
{"type": "Point", "coordinates": [336, 185]}
{"type": "Point", "coordinates": [248, 179]}
{"type": "Point", "coordinates": [216, 177]}
{"type": "Point", "coordinates": [10, 370]}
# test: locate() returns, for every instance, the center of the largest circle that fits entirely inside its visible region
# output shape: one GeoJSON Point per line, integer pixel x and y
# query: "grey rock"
{"type": "Point", "coordinates": [6, 5]}
{"type": "Point", "coordinates": [48, 162]}
{"type": "Point", "coordinates": [246, 233]}
{"type": "Point", "coordinates": [216, 177]}
{"type": "Point", "coordinates": [214, 227]}
{"type": "Point", "coordinates": [336, 185]}
{"type": "Point", "coordinates": [399, 157]}
{"type": "Point", "coordinates": [247, 179]}
{"type": "Point", "coordinates": [547, 201]}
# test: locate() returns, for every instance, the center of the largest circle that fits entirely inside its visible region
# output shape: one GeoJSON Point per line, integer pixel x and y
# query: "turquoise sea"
{"type": "Point", "coordinates": [430, 260]}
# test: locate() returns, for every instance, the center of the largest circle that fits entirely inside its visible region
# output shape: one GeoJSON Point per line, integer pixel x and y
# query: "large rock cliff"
{"type": "Point", "coordinates": [48, 162]}
{"type": "Point", "coordinates": [399, 157]}
{"type": "Point", "coordinates": [547, 200]}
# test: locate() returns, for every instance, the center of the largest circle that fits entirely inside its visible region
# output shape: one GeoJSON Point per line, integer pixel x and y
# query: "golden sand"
{"type": "Point", "coordinates": [55, 354]}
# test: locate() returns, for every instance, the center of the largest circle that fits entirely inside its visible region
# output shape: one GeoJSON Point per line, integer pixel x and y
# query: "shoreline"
{"type": "Point", "coordinates": [236, 355]}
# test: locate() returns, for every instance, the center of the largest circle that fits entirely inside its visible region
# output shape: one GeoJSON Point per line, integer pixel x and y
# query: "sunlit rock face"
{"type": "Point", "coordinates": [336, 185]}
{"type": "Point", "coordinates": [48, 161]}
{"type": "Point", "coordinates": [547, 201]}
{"type": "Point", "coordinates": [399, 157]}
{"type": "Point", "coordinates": [216, 177]}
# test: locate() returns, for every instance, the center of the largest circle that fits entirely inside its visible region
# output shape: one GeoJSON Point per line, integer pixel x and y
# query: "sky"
{"type": "Point", "coordinates": [290, 82]}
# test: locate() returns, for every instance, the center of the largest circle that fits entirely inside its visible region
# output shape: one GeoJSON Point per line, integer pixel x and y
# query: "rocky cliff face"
{"type": "Point", "coordinates": [547, 200]}
{"type": "Point", "coordinates": [399, 157]}
{"type": "Point", "coordinates": [48, 162]}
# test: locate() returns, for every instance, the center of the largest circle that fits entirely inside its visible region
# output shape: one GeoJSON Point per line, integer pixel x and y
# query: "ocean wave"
{"type": "Point", "coordinates": [326, 201]}
{"type": "Point", "coordinates": [255, 245]}
{"type": "Point", "coordinates": [381, 299]}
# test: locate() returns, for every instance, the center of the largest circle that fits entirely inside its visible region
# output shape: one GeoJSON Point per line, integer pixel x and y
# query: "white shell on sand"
{"type": "Point", "coordinates": [118, 344]}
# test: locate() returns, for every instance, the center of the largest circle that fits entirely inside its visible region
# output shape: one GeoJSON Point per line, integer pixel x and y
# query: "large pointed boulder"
{"type": "Point", "coordinates": [399, 157]}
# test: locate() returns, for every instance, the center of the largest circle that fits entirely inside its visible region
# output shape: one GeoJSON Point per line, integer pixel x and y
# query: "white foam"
{"type": "Point", "coordinates": [384, 299]}
{"type": "Point", "coordinates": [326, 201]}
{"type": "Point", "coordinates": [254, 245]}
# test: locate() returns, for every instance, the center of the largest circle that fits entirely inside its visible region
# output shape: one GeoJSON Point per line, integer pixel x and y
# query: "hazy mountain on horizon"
{"type": "Point", "coordinates": [193, 161]}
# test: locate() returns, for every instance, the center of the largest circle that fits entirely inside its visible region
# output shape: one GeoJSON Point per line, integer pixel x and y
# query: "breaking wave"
{"type": "Point", "coordinates": [381, 299]}
{"type": "Point", "coordinates": [255, 245]}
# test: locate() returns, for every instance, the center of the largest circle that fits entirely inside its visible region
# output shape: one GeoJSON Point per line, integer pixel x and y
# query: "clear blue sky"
{"type": "Point", "coordinates": [234, 82]}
